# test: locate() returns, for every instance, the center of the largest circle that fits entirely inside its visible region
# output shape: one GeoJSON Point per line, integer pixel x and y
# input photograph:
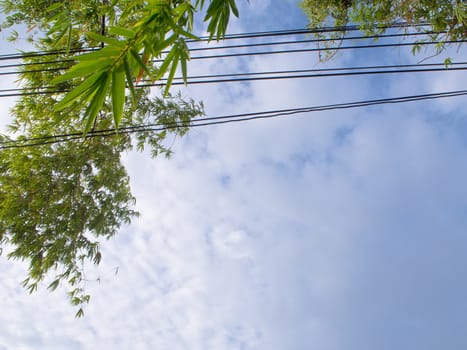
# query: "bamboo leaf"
{"type": "Point", "coordinates": [184, 69]}
{"type": "Point", "coordinates": [102, 54]}
{"type": "Point", "coordinates": [129, 79]}
{"type": "Point", "coordinates": [97, 100]}
{"type": "Point", "coordinates": [79, 313]}
{"type": "Point", "coordinates": [234, 8]}
{"type": "Point", "coordinates": [118, 93]}
{"type": "Point", "coordinates": [68, 40]}
{"type": "Point", "coordinates": [55, 6]}
{"type": "Point", "coordinates": [107, 40]}
{"type": "Point", "coordinates": [52, 286]}
{"type": "Point", "coordinates": [166, 43]}
{"type": "Point", "coordinates": [140, 62]}
{"type": "Point", "coordinates": [127, 33]}
{"type": "Point", "coordinates": [167, 61]}
{"type": "Point", "coordinates": [173, 69]}
{"type": "Point", "coordinates": [83, 69]}
{"type": "Point", "coordinates": [73, 95]}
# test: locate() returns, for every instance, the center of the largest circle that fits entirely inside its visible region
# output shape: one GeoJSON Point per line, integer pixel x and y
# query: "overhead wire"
{"type": "Point", "coordinates": [338, 48]}
{"type": "Point", "coordinates": [52, 139]}
{"type": "Point", "coordinates": [262, 34]}
{"type": "Point", "coordinates": [239, 77]}
{"type": "Point", "coordinates": [304, 76]}
{"type": "Point", "coordinates": [69, 61]}
{"type": "Point", "coordinates": [240, 54]}
{"type": "Point", "coordinates": [266, 75]}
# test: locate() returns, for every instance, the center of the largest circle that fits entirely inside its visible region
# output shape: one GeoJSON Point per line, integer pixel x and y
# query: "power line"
{"type": "Point", "coordinates": [52, 139]}
{"type": "Point", "coordinates": [267, 75]}
{"type": "Point", "coordinates": [229, 55]}
{"type": "Point", "coordinates": [212, 48]}
{"type": "Point", "coordinates": [329, 29]}
{"type": "Point", "coordinates": [338, 48]}
{"type": "Point", "coordinates": [303, 76]}
{"type": "Point", "coordinates": [399, 66]}
{"type": "Point", "coordinates": [307, 41]}
{"type": "Point", "coordinates": [250, 35]}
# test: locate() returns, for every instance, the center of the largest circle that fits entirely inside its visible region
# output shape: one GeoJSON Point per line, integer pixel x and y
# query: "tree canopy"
{"type": "Point", "coordinates": [130, 34]}
{"type": "Point", "coordinates": [444, 21]}
{"type": "Point", "coordinates": [63, 190]}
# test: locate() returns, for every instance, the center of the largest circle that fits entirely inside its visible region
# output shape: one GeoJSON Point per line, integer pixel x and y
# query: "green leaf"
{"type": "Point", "coordinates": [118, 93]}
{"type": "Point", "coordinates": [140, 62]}
{"type": "Point", "coordinates": [83, 69]}
{"type": "Point", "coordinates": [173, 69]}
{"type": "Point", "coordinates": [129, 79]}
{"type": "Point", "coordinates": [167, 61]}
{"type": "Point", "coordinates": [166, 43]}
{"type": "Point", "coordinates": [184, 69]}
{"type": "Point", "coordinates": [189, 35]}
{"type": "Point", "coordinates": [68, 40]}
{"type": "Point", "coordinates": [97, 100]}
{"type": "Point", "coordinates": [127, 33]}
{"type": "Point", "coordinates": [73, 95]}
{"type": "Point", "coordinates": [60, 35]}
{"type": "Point", "coordinates": [55, 6]}
{"type": "Point", "coordinates": [52, 286]}
{"type": "Point", "coordinates": [107, 40]}
{"type": "Point", "coordinates": [107, 53]}
{"type": "Point", "coordinates": [32, 287]}
{"type": "Point", "coordinates": [234, 8]}
{"type": "Point", "coordinates": [79, 313]}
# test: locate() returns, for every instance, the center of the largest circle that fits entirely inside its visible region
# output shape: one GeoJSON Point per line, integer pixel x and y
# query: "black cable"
{"type": "Point", "coordinates": [308, 41]}
{"type": "Point", "coordinates": [269, 75]}
{"type": "Point", "coordinates": [290, 42]}
{"type": "Point", "coordinates": [288, 51]}
{"type": "Point", "coordinates": [31, 54]}
{"type": "Point", "coordinates": [338, 48]}
{"type": "Point", "coordinates": [222, 120]}
{"type": "Point", "coordinates": [318, 70]}
{"type": "Point", "coordinates": [303, 76]}
{"type": "Point", "coordinates": [330, 29]}
{"type": "Point", "coordinates": [257, 76]}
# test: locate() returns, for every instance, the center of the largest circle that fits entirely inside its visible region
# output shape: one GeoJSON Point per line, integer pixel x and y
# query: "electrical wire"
{"type": "Point", "coordinates": [52, 139]}
{"type": "Point", "coordinates": [268, 75]}
{"type": "Point", "coordinates": [275, 33]}
{"type": "Point", "coordinates": [338, 48]}
{"type": "Point", "coordinates": [304, 76]}
{"type": "Point", "coordinates": [209, 48]}
{"type": "Point", "coordinates": [262, 53]}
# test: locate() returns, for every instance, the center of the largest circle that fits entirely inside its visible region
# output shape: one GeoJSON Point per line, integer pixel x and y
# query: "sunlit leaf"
{"type": "Point", "coordinates": [77, 92]}
{"type": "Point", "coordinates": [108, 40]}
{"type": "Point", "coordinates": [129, 79]}
{"type": "Point", "coordinates": [82, 70]}
{"type": "Point", "coordinates": [97, 100]}
{"type": "Point", "coordinates": [118, 93]}
{"type": "Point", "coordinates": [125, 32]}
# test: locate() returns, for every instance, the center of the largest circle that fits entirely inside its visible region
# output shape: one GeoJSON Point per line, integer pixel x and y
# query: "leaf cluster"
{"type": "Point", "coordinates": [59, 201]}
{"type": "Point", "coordinates": [132, 35]}
{"type": "Point", "coordinates": [445, 20]}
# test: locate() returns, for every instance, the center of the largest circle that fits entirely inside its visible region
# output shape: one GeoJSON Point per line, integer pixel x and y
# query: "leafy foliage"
{"type": "Point", "coordinates": [446, 20]}
{"type": "Point", "coordinates": [132, 34]}
{"type": "Point", "coordinates": [58, 201]}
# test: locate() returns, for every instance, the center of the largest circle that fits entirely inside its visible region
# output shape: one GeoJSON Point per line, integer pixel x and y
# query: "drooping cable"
{"type": "Point", "coordinates": [52, 139]}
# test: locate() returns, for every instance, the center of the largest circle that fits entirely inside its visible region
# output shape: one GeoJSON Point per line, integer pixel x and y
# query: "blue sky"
{"type": "Point", "coordinates": [332, 230]}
